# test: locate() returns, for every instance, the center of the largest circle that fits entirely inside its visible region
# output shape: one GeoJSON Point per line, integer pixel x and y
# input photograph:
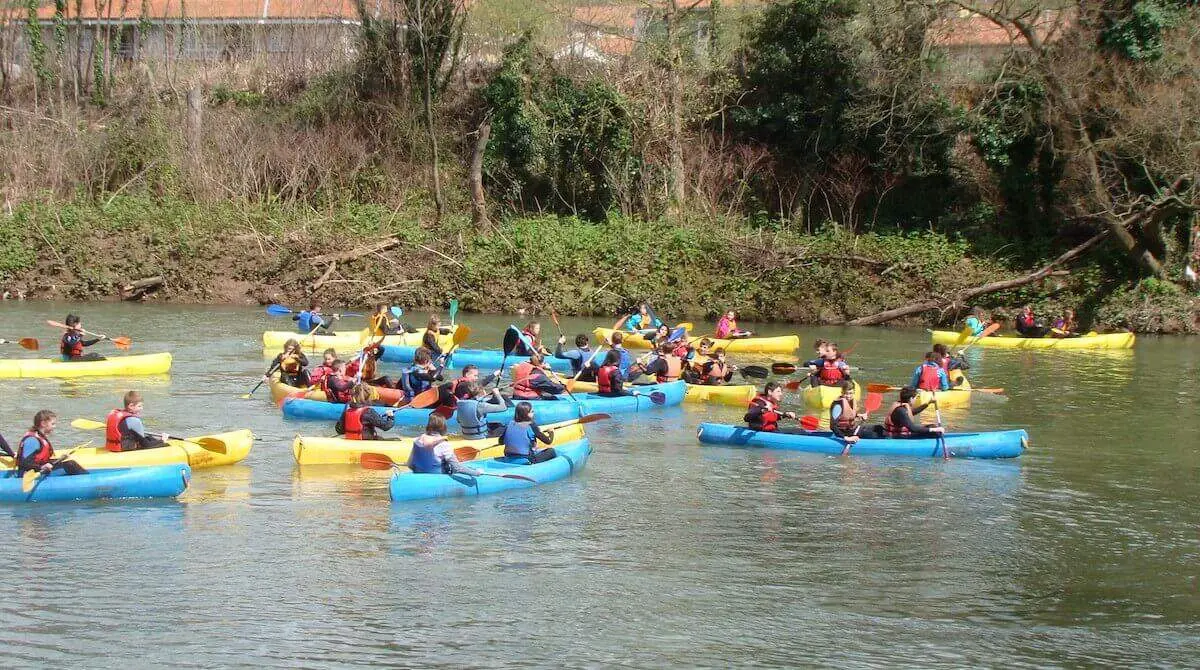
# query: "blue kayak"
{"type": "Point", "coordinates": [995, 444]}
{"type": "Point", "coordinates": [484, 359]}
{"type": "Point", "coordinates": [545, 411]}
{"type": "Point", "coordinates": [571, 458]}
{"type": "Point", "coordinates": [153, 481]}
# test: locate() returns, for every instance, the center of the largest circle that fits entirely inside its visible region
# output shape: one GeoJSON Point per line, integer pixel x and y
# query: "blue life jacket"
{"type": "Point", "coordinates": [470, 423]}
{"type": "Point", "coordinates": [518, 440]}
{"type": "Point", "coordinates": [411, 384]}
{"type": "Point", "coordinates": [423, 461]}
{"type": "Point", "coordinates": [626, 362]}
{"type": "Point", "coordinates": [307, 321]}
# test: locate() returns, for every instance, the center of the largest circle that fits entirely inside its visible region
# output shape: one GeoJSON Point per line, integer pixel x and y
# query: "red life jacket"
{"type": "Point", "coordinates": [1025, 321]}
{"type": "Point", "coordinates": [830, 374]}
{"type": "Point", "coordinates": [523, 381]}
{"type": "Point", "coordinates": [449, 398]}
{"type": "Point", "coordinates": [891, 428]}
{"type": "Point", "coordinates": [353, 423]}
{"type": "Point", "coordinates": [944, 362]}
{"type": "Point", "coordinates": [44, 452]}
{"type": "Point", "coordinates": [845, 422]}
{"type": "Point", "coordinates": [681, 350]}
{"type": "Point", "coordinates": [332, 394]}
{"type": "Point", "coordinates": [929, 378]}
{"type": "Point", "coordinates": [770, 413]}
{"type": "Point", "coordinates": [533, 340]}
{"type": "Point", "coordinates": [674, 368]}
{"type": "Point", "coordinates": [318, 375]}
{"type": "Point", "coordinates": [604, 377]}
{"type": "Point", "coordinates": [112, 431]}
{"type": "Point", "coordinates": [73, 349]}
{"type": "Point", "coordinates": [716, 373]}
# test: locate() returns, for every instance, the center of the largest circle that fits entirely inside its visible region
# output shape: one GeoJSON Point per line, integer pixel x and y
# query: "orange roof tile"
{"type": "Point", "coordinates": [215, 9]}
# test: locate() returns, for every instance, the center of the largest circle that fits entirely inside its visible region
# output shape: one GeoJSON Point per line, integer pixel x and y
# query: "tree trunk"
{"type": "Point", "coordinates": [674, 64]}
{"type": "Point", "coordinates": [427, 100]}
{"type": "Point", "coordinates": [479, 215]}
{"type": "Point", "coordinates": [195, 118]}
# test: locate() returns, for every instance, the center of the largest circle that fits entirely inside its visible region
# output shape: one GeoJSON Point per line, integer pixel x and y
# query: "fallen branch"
{"type": "Point", "coordinates": [136, 290]}
{"type": "Point", "coordinates": [328, 271]}
{"type": "Point", "coordinates": [994, 287]}
{"type": "Point", "coordinates": [354, 254]}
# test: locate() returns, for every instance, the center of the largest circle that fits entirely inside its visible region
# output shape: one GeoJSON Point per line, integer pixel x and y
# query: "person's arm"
{"type": "Point", "coordinates": [543, 384]}
{"type": "Point", "coordinates": [943, 379]}
{"type": "Point", "coordinates": [88, 343]}
{"type": "Point", "coordinates": [5, 449]}
{"type": "Point", "coordinates": [275, 363]}
{"type": "Point", "coordinates": [135, 426]}
{"type": "Point", "coordinates": [845, 368]}
{"type": "Point", "coordinates": [496, 404]}
{"type": "Point", "coordinates": [296, 317]}
{"type": "Point", "coordinates": [450, 462]}
{"type": "Point", "coordinates": [303, 359]}
{"type": "Point", "coordinates": [378, 421]}
{"type": "Point", "coordinates": [916, 377]}
{"type": "Point", "coordinates": [543, 436]}
{"type": "Point", "coordinates": [908, 422]}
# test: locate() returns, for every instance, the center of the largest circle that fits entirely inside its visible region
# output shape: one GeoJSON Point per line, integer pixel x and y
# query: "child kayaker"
{"type": "Point", "coordinates": [35, 452]}
{"type": "Point", "coordinates": [727, 327]}
{"type": "Point", "coordinates": [124, 430]}
{"type": "Point", "coordinates": [432, 454]}
{"type": "Point", "coordinates": [522, 434]}
{"type": "Point", "coordinates": [319, 373]}
{"type": "Point", "coordinates": [763, 413]}
{"type": "Point", "coordinates": [291, 363]}
{"type": "Point", "coordinates": [578, 356]}
{"type": "Point", "coordinates": [360, 421]}
{"type": "Point", "coordinates": [73, 342]}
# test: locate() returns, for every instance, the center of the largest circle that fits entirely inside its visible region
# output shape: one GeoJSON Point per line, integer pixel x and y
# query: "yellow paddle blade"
{"type": "Point", "coordinates": [461, 333]}
{"type": "Point", "coordinates": [211, 444]}
{"type": "Point", "coordinates": [686, 325]}
{"type": "Point", "coordinates": [28, 480]}
{"type": "Point", "coordinates": [87, 424]}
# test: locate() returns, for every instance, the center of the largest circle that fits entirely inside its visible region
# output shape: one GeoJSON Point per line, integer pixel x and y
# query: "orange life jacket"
{"type": "Point", "coordinates": [894, 429]}
{"type": "Point", "coordinates": [522, 381]}
{"type": "Point", "coordinates": [112, 430]}
{"type": "Point", "coordinates": [353, 423]}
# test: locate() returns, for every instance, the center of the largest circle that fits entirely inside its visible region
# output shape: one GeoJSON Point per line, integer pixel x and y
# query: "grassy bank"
{"type": "Point", "coordinates": [230, 254]}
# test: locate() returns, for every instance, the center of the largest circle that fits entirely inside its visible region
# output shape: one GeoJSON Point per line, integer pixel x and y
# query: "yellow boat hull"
{"type": "Point", "coordinates": [821, 397]}
{"type": "Point", "coordinates": [227, 449]}
{"type": "Point", "coordinates": [1109, 341]}
{"type": "Point", "coordinates": [783, 344]}
{"type": "Point", "coordinates": [959, 396]}
{"type": "Point", "coordinates": [340, 451]}
{"type": "Point", "coordinates": [738, 395]}
{"type": "Point", "coordinates": [113, 366]}
{"type": "Point", "coordinates": [349, 341]}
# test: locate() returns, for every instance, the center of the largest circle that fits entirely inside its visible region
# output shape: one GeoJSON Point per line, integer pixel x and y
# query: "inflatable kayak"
{"type": "Point", "coordinates": [381, 394]}
{"type": "Point", "coordinates": [783, 344]}
{"type": "Point", "coordinates": [156, 481]}
{"type": "Point", "coordinates": [997, 444]}
{"type": "Point", "coordinates": [113, 366]}
{"type": "Point", "coordinates": [821, 397]}
{"type": "Point", "coordinates": [206, 451]}
{"type": "Point", "coordinates": [340, 451]}
{"type": "Point", "coordinates": [958, 396]}
{"type": "Point", "coordinates": [738, 395]}
{"type": "Point", "coordinates": [351, 340]}
{"type": "Point", "coordinates": [484, 359]}
{"type": "Point", "coordinates": [1109, 341]}
{"type": "Point", "coordinates": [545, 411]}
{"type": "Point", "coordinates": [571, 458]}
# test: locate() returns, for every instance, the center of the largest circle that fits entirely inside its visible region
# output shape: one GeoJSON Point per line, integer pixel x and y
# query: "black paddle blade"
{"type": "Point", "coordinates": [783, 368]}
{"type": "Point", "coordinates": [658, 398]}
{"type": "Point", "coordinates": [755, 371]}
{"type": "Point", "coordinates": [511, 337]}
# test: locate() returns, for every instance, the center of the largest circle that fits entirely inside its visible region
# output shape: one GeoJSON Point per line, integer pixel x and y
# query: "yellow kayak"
{"type": "Point", "coordinates": [782, 344]}
{"type": "Point", "coordinates": [206, 451]}
{"type": "Point", "coordinates": [821, 397]}
{"type": "Point", "coordinates": [738, 395]}
{"type": "Point", "coordinates": [340, 451]}
{"type": "Point", "coordinates": [351, 340]}
{"type": "Point", "coordinates": [1090, 341]}
{"type": "Point", "coordinates": [958, 396]}
{"type": "Point", "coordinates": [113, 366]}
{"type": "Point", "coordinates": [279, 391]}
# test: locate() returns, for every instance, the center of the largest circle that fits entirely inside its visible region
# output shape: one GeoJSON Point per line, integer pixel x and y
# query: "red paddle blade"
{"type": "Point", "coordinates": [874, 402]}
{"type": "Point", "coordinates": [29, 343]}
{"type": "Point", "coordinates": [810, 422]}
{"type": "Point", "coordinates": [783, 368]}
{"type": "Point", "coordinates": [375, 461]}
{"type": "Point", "coordinates": [122, 342]}
{"type": "Point", "coordinates": [426, 398]}
{"type": "Point", "coordinates": [466, 453]}
{"type": "Point", "coordinates": [793, 385]}
{"type": "Point", "coordinates": [554, 318]}
{"type": "Point", "coordinates": [881, 388]}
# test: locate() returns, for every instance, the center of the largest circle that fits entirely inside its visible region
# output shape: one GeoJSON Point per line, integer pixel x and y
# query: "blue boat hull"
{"type": "Point", "coordinates": [484, 359]}
{"type": "Point", "coordinates": [673, 393]}
{"type": "Point", "coordinates": [996, 444]}
{"type": "Point", "coordinates": [157, 481]}
{"type": "Point", "coordinates": [571, 458]}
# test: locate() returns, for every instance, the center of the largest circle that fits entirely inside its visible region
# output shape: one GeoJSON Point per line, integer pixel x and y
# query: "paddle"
{"type": "Point", "coordinates": [373, 461]}
{"type": "Point", "coordinates": [280, 310]}
{"type": "Point", "coordinates": [424, 399]}
{"type": "Point", "coordinates": [874, 402]}
{"type": "Point", "coordinates": [466, 453]}
{"type": "Point", "coordinates": [511, 337]}
{"type": "Point", "coordinates": [986, 332]}
{"type": "Point", "coordinates": [30, 479]}
{"type": "Point", "coordinates": [121, 341]}
{"type": "Point", "coordinates": [247, 396]}
{"type": "Point", "coordinates": [29, 343]}
{"type": "Point", "coordinates": [453, 310]}
{"type": "Point", "coordinates": [753, 372]}
{"type": "Point", "coordinates": [941, 436]}
{"type": "Point", "coordinates": [884, 388]}
{"type": "Point", "coordinates": [209, 443]}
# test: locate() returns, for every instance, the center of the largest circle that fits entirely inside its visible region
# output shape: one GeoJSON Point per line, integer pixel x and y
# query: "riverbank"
{"type": "Point", "coordinates": [356, 255]}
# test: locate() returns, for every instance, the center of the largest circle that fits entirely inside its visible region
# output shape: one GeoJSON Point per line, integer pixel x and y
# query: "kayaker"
{"type": "Point", "coordinates": [831, 369]}
{"type": "Point", "coordinates": [821, 346]}
{"type": "Point", "coordinates": [453, 392]}
{"type": "Point", "coordinates": [291, 363]}
{"type": "Point", "coordinates": [661, 336]}
{"type": "Point", "coordinates": [365, 366]}
{"type": "Point", "coordinates": [337, 385]}
{"type": "Point", "coordinates": [626, 358]}
{"type": "Point", "coordinates": [581, 354]}
{"type": "Point", "coordinates": [716, 372]}
{"type": "Point", "coordinates": [696, 358]}
{"type": "Point", "coordinates": [929, 375]}
{"type": "Point", "coordinates": [610, 381]}
{"type": "Point", "coordinates": [531, 341]}
{"type": "Point", "coordinates": [311, 319]}
{"type": "Point", "coordinates": [900, 422]}
{"type": "Point", "coordinates": [360, 421]}
{"type": "Point", "coordinates": [1027, 324]}
{"type": "Point", "coordinates": [522, 434]}
{"type": "Point", "coordinates": [472, 412]}
{"type": "Point", "coordinates": [1065, 325]}
{"type": "Point", "coordinates": [429, 339]}
{"type": "Point", "coordinates": [377, 323]}
{"type": "Point", "coordinates": [642, 320]}
{"type": "Point", "coordinates": [948, 362]}
{"type": "Point", "coordinates": [432, 454]}
{"type": "Point", "coordinates": [727, 327]}
{"type": "Point", "coordinates": [318, 374]}
{"type": "Point", "coordinates": [124, 430]}
{"type": "Point", "coordinates": [843, 415]}
{"type": "Point", "coordinates": [73, 342]}
{"type": "Point", "coordinates": [5, 449]}
{"type": "Point", "coordinates": [976, 322]}
{"type": "Point", "coordinates": [421, 374]}
{"type": "Point", "coordinates": [531, 381]}
{"type": "Point", "coordinates": [35, 452]}
{"type": "Point", "coordinates": [667, 367]}
{"type": "Point", "coordinates": [763, 414]}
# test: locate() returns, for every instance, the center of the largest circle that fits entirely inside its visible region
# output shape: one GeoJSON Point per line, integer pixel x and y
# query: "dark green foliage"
{"type": "Point", "coordinates": [1136, 32]}
{"type": "Point", "coordinates": [557, 145]}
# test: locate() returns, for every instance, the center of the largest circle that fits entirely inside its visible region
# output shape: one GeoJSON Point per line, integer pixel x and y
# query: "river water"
{"type": "Point", "coordinates": [662, 553]}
